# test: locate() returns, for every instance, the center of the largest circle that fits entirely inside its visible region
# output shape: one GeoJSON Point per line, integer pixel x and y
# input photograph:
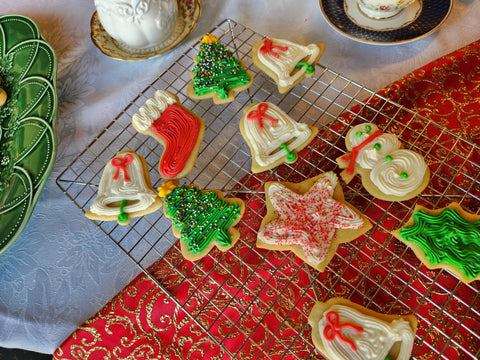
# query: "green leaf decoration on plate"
{"type": "Point", "coordinates": [28, 70]}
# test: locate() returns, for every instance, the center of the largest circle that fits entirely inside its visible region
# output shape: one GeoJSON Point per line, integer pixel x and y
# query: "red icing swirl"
{"type": "Point", "coordinates": [180, 130]}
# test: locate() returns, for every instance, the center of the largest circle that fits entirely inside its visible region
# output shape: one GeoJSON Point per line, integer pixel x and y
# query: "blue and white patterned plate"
{"type": "Point", "coordinates": [416, 21]}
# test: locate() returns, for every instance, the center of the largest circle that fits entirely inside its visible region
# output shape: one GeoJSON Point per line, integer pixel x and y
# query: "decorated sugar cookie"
{"type": "Point", "coordinates": [446, 238]}
{"type": "Point", "coordinates": [310, 218]}
{"type": "Point", "coordinates": [202, 219]}
{"type": "Point", "coordinates": [288, 63]}
{"type": "Point", "coordinates": [217, 73]}
{"type": "Point", "coordinates": [272, 136]}
{"type": "Point", "coordinates": [342, 329]}
{"type": "Point", "coordinates": [125, 190]}
{"type": "Point", "coordinates": [388, 171]}
{"type": "Point", "coordinates": [179, 130]}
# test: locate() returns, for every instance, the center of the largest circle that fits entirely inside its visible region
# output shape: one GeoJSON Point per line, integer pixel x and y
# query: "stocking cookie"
{"type": "Point", "coordinates": [310, 218]}
{"type": "Point", "coordinates": [286, 62]}
{"type": "Point", "coordinates": [446, 238]}
{"type": "Point", "coordinates": [272, 136]}
{"type": "Point", "coordinates": [125, 190]}
{"type": "Point", "coordinates": [202, 219]}
{"type": "Point", "coordinates": [342, 329]}
{"type": "Point", "coordinates": [179, 130]}
{"type": "Point", "coordinates": [388, 172]}
{"type": "Point", "coordinates": [217, 73]}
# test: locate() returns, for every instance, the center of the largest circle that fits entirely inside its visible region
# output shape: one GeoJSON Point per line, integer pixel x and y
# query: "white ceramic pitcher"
{"type": "Point", "coordinates": [138, 24]}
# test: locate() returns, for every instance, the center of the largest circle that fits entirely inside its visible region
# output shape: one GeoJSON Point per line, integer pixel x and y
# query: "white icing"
{"type": "Point", "coordinates": [386, 174]}
{"type": "Point", "coordinates": [265, 143]}
{"type": "Point", "coordinates": [111, 192]}
{"type": "Point", "coordinates": [285, 64]}
{"type": "Point", "coordinates": [356, 140]}
{"type": "Point", "coordinates": [152, 109]}
{"type": "Point", "coordinates": [375, 342]}
{"type": "Point", "coordinates": [324, 215]}
{"type": "Point", "coordinates": [368, 156]}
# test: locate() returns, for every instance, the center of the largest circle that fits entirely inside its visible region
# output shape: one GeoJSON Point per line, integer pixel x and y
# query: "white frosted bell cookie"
{"type": "Point", "coordinates": [272, 136]}
{"type": "Point", "coordinates": [287, 62]}
{"type": "Point", "coordinates": [201, 219]}
{"type": "Point", "coordinates": [342, 329]}
{"type": "Point", "coordinates": [178, 129]}
{"type": "Point", "coordinates": [388, 171]}
{"type": "Point", "coordinates": [310, 218]}
{"type": "Point", "coordinates": [125, 190]}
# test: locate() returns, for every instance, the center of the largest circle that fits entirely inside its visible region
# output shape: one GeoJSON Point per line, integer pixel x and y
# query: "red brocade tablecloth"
{"type": "Point", "coordinates": [142, 322]}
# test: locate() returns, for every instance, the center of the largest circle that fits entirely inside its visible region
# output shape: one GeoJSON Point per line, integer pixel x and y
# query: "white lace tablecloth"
{"type": "Point", "coordinates": [63, 269]}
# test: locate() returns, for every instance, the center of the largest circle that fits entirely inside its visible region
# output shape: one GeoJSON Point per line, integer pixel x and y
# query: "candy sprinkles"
{"type": "Point", "coordinates": [216, 69]}
{"type": "Point", "coordinates": [201, 217]}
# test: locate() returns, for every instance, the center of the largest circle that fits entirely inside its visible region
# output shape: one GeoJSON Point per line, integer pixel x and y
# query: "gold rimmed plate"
{"type": "Point", "coordinates": [186, 21]}
{"type": "Point", "coordinates": [416, 21]}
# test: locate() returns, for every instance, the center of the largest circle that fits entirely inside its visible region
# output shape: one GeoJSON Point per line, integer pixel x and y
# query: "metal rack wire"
{"type": "Point", "coordinates": [255, 303]}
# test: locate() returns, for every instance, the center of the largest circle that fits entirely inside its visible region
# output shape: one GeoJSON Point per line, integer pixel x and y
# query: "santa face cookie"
{"type": "Point", "coordinates": [202, 219]}
{"type": "Point", "coordinates": [388, 172]}
{"type": "Point", "coordinates": [272, 136]}
{"type": "Point", "coordinates": [217, 73]}
{"type": "Point", "coordinates": [342, 330]}
{"type": "Point", "coordinates": [179, 130]}
{"type": "Point", "coordinates": [310, 218]}
{"type": "Point", "coordinates": [286, 62]}
{"type": "Point", "coordinates": [125, 190]}
{"type": "Point", "coordinates": [447, 238]}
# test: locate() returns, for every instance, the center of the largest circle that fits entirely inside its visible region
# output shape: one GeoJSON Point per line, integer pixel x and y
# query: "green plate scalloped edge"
{"type": "Point", "coordinates": [34, 70]}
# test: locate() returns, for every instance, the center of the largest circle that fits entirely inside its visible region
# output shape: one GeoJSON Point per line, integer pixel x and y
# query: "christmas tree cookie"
{"type": "Point", "coordinates": [286, 62]}
{"type": "Point", "coordinates": [447, 238]}
{"type": "Point", "coordinates": [201, 219]}
{"type": "Point", "coordinates": [272, 136]}
{"type": "Point", "coordinates": [125, 190]}
{"type": "Point", "coordinates": [217, 73]}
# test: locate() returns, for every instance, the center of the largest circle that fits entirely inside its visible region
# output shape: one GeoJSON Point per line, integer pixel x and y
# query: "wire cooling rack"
{"type": "Point", "coordinates": [254, 303]}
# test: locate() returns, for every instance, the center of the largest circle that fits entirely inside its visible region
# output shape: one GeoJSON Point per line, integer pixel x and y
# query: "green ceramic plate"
{"type": "Point", "coordinates": [31, 66]}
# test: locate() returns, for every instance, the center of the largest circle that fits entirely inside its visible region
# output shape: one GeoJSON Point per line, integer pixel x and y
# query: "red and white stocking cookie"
{"type": "Point", "coordinates": [179, 130]}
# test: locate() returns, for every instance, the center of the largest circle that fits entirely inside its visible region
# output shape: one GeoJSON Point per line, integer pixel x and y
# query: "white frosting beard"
{"type": "Point", "coordinates": [112, 192]}
{"type": "Point", "coordinates": [266, 143]}
{"type": "Point", "coordinates": [386, 175]}
{"type": "Point", "coordinates": [287, 60]}
{"type": "Point", "coordinates": [153, 108]}
{"type": "Point", "coordinates": [374, 343]}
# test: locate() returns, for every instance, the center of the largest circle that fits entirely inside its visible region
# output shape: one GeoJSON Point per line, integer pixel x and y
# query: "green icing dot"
{"type": "Point", "coordinates": [377, 146]}
{"type": "Point", "coordinates": [404, 175]}
{"type": "Point", "coordinates": [358, 134]}
{"type": "Point", "coordinates": [388, 158]}
{"type": "Point", "coordinates": [368, 128]}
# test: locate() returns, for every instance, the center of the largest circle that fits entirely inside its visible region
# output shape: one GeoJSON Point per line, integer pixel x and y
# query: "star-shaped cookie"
{"type": "Point", "coordinates": [310, 218]}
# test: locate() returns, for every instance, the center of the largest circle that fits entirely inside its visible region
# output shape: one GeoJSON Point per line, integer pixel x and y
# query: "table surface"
{"type": "Point", "coordinates": [63, 269]}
